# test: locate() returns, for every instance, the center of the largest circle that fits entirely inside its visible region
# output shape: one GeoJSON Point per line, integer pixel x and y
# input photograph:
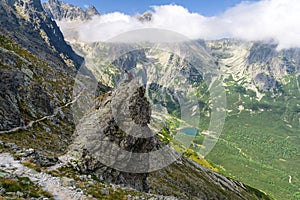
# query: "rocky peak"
{"type": "Point", "coordinates": [59, 10]}
{"type": "Point", "coordinates": [145, 17]}
{"type": "Point", "coordinates": [92, 11]}
{"type": "Point", "coordinates": [118, 125]}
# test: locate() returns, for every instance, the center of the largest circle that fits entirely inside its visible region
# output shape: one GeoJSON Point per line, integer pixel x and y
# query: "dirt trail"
{"type": "Point", "coordinates": [31, 123]}
{"type": "Point", "coordinates": [48, 182]}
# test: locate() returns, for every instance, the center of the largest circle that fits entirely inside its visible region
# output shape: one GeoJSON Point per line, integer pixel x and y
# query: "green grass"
{"type": "Point", "coordinates": [262, 148]}
{"type": "Point", "coordinates": [266, 158]}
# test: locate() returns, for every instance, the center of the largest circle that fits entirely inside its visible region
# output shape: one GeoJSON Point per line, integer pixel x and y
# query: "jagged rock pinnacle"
{"type": "Point", "coordinates": [110, 135]}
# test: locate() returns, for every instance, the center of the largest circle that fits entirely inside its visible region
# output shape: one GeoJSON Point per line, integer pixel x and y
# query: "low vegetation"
{"type": "Point", "coordinates": [15, 187]}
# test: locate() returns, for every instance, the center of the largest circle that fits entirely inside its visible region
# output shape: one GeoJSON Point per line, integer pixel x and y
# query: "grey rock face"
{"type": "Point", "coordinates": [265, 82]}
{"type": "Point", "coordinates": [139, 107]}
{"type": "Point", "coordinates": [130, 60]}
{"type": "Point", "coordinates": [101, 125]}
{"type": "Point", "coordinates": [261, 52]}
{"type": "Point", "coordinates": [59, 10]}
{"type": "Point", "coordinates": [260, 64]}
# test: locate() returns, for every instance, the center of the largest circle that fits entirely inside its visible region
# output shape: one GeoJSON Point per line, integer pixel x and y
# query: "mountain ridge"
{"type": "Point", "coordinates": [58, 10]}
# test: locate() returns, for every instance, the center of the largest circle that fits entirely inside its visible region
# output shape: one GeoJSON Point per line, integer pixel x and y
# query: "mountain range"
{"type": "Point", "coordinates": [262, 88]}
{"type": "Point", "coordinates": [57, 107]}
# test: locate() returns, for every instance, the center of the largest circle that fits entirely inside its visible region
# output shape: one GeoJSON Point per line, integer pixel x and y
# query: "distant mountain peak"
{"type": "Point", "coordinates": [59, 10]}
{"type": "Point", "coordinates": [145, 17]}
{"type": "Point", "coordinates": [92, 11]}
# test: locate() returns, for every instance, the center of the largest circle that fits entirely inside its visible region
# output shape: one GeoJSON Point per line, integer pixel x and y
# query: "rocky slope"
{"type": "Point", "coordinates": [262, 88]}
{"type": "Point", "coordinates": [256, 65]}
{"type": "Point", "coordinates": [37, 72]}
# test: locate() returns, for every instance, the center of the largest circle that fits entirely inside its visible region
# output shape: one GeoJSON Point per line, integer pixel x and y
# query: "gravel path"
{"type": "Point", "coordinates": [48, 182]}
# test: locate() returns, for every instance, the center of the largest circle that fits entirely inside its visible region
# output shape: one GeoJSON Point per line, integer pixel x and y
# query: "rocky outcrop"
{"type": "Point", "coordinates": [265, 82]}
{"type": "Point", "coordinates": [59, 10]}
{"type": "Point", "coordinates": [100, 138]}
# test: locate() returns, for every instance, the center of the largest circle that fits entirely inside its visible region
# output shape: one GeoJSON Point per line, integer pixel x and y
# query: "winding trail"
{"type": "Point", "coordinates": [46, 181]}
{"type": "Point", "coordinates": [55, 112]}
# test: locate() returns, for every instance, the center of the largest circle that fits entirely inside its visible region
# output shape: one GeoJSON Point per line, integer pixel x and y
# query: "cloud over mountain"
{"type": "Point", "coordinates": [274, 20]}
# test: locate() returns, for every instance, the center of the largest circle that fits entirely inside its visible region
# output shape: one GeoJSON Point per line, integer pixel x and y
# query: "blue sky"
{"type": "Point", "coordinates": [131, 7]}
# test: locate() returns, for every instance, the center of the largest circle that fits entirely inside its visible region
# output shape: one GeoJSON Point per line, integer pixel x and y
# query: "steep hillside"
{"type": "Point", "coordinates": [37, 72]}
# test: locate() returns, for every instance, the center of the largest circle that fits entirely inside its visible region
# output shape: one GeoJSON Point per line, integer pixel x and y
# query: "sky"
{"type": "Point", "coordinates": [263, 20]}
{"type": "Point", "coordinates": [132, 7]}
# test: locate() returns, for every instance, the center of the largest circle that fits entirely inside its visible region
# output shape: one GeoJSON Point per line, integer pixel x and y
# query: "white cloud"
{"type": "Point", "coordinates": [265, 20]}
{"type": "Point", "coordinates": [179, 19]}
{"type": "Point", "coordinates": [276, 20]}
{"type": "Point", "coordinates": [107, 26]}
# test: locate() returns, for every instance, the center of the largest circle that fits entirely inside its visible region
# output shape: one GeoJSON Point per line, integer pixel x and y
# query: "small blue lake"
{"type": "Point", "coordinates": [189, 131]}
